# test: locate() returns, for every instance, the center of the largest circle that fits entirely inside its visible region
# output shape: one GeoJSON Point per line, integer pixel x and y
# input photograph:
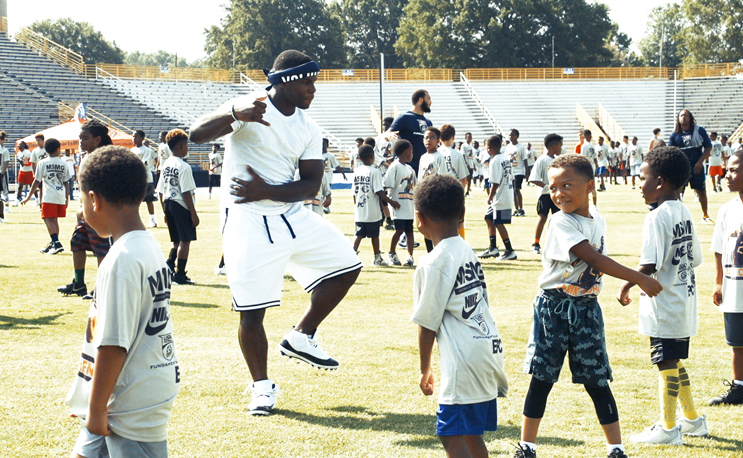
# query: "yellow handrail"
{"type": "Point", "coordinates": [374, 117]}
{"type": "Point", "coordinates": [572, 73]}
{"type": "Point", "coordinates": [713, 70]}
{"type": "Point", "coordinates": [610, 125]}
{"type": "Point", "coordinates": [737, 134]}
{"type": "Point", "coordinates": [587, 122]}
{"type": "Point", "coordinates": [3, 25]}
{"type": "Point", "coordinates": [52, 50]}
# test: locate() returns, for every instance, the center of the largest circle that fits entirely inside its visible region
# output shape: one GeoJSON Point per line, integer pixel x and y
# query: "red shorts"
{"type": "Point", "coordinates": [53, 210]}
{"type": "Point", "coordinates": [716, 171]}
{"type": "Point", "coordinates": [25, 177]}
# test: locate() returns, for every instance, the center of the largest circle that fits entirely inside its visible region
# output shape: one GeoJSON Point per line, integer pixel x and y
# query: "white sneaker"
{"type": "Point", "coordinates": [410, 262]}
{"type": "Point", "coordinates": [306, 348]}
{"type": "Point", "coordinates": [696, 427]}
{"type": "Point", "coordinates": [153, 223]}
{"type": "Point", "coordinates": [263, 397]}
{"type": "Point", "coordinates": [378, 261]}
{"type": "Point", "coordinates": [489, 253]}
{"type": "Point", "coordinates": [394, 260]}
{"type": "Point", "coordinates": [657, 434]}
{"type": "Point", "coordinates": [220, 270]}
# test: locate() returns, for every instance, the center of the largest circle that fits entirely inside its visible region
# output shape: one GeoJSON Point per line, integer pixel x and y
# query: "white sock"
{"type": "Point", "coordinates": [530, 445]}
{"type": "Point", "coordinates": [263, 385]}
{"type": "Point", "coordinates": [738, 382]}
{"type": "Point", "coordinates": [610, 447]}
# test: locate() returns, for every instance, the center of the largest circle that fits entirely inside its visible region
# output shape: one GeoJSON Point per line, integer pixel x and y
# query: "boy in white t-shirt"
{"type": "Point", "coordinates": [539, 177]}
{"type": "Point", "coordinates": [634, 154]}
{"type": "Point", "coordinates": [602, 159]}
{"type": "Point", "coordinates": [69, 159]}
{"type": "Point", "coordinates": [26, 172]}
{"type": "Point", "coordinates": [431, 163]}
{"type": "Point", "coordinates": [452, 307]}
{"type": "Point", "coordinates": [317, 204]}
{"type": "Point", "coordinates": [331, 165]}
{"type": "Point", "coordinates": [128, 374]}
{"type": "Point", "coordinates": [517, 152]}
{"type": "Point", "coordinates": [4, 184]}
{"type": "Point", "coordinates": [670, 252]}
{"type": "Point", "coordinates": [567, 315]}
{"type": "Point", "coordinates": [176, 188]}
{"type": "Point", "coordinates": [147, 155]}
{"type": "Point", "coordinates": [368, 192]}
{"type": "Point", "coordinates": [215, 169]}
{"type": "Point", "coordinates": [500, 199]}
{"type": "Point", "coordinates": [400, 180]}
{"type": "Point", "coordinates": [456, 165]}
{"type": "Point", "coordinates": [52, 176]}
{"type": "Point", "coordinates": [716, 161]}
{"type": "Point", "coordinates": [727, 243]}
{"type": "Point", "coordinates": [589, 151]}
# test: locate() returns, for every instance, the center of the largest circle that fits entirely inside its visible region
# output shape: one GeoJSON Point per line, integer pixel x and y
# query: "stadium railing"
{"type": "Point", "coordinates": [52, 50]}
{"type": "Point", "coordinates": [712, 70]}
{"type": "Point", "coordinates": [610, 125]}
{"type": "Point", "coordinates": [737, 134]}
{"type": "Point", "coordinates": [478, 101]}
{"type": "Point", "coordinates": [374, 118]}
{"type": "Point", "coordinates": [587, 122]}
{"type": "Point", "coordinates": [568, 73]}
{"type": "Point", "coordinates": [4, 25]}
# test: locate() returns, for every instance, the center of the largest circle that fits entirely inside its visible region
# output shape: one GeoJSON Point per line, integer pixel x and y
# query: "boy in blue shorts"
{"type": "Point", "coordinates": [500, 199]}
{"type": "Point", "coordinates": [670, 252]}
{"type": "Point", "coordinates": [727, 243]}
{"type": "Point", "coordinates": [567, 315]}
{"type": "Point", "coordinates": [451, 306]}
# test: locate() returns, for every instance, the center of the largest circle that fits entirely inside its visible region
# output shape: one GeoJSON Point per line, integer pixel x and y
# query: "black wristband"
{"type": "Point", "coordinates": [234, 116]}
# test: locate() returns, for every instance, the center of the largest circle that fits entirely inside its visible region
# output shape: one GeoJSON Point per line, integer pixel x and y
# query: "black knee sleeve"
{"type": "Point", "coordinates": [603, 401]}
{"type": "Point", "coordinates": [536, 398]}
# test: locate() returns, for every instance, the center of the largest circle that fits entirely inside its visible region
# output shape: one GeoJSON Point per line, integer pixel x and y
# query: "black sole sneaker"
{"type": "Point", "coordinates": [77, 289]}
{"type": "Point", "coordinates": [734, 395]}
{"type": "Point", "coordinates": [287, 350]}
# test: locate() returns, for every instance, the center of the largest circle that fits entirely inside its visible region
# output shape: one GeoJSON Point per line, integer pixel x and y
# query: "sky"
{"type": "Point", "coordinates": [133, 26]}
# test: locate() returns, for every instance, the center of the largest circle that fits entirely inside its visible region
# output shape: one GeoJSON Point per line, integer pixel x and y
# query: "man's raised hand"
{"type": "Point", "coordinates": [253, 113]}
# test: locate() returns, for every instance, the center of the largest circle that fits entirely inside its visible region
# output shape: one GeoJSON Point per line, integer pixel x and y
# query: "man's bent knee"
{"type": "Point", "coordinates": [252, 317]}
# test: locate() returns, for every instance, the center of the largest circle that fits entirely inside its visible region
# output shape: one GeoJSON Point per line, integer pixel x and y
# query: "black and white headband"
{"type": "Point", "coordinates": [305, 70]}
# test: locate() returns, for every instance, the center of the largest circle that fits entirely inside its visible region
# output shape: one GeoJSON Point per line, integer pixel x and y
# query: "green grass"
{"type": "Point", "coordinates": [372, 406]}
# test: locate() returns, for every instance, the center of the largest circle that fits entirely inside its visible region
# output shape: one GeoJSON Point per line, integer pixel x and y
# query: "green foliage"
{"type": "Point", "coordinates": [666, 23]}
{"type": "Point", "coordinates": [258, 30]}
{"type": "Point", "coordinates": [714, 31]}
{"type": "Point", "coordinates": [370, 27]}
{"type": "Point", "coordinates": [158, 58]}
{"type": "Point", "coordinates": [504, 33]}
{"type": "Point", "coordinates": [82, 38]}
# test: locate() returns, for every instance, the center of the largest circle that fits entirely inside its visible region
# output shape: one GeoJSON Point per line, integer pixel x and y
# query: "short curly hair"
{"type": "Point", "coordinates": [579, 164]}
{"type": "Point", "coordinates": [671, 164]}
{"type": "Point", "coordinates": [115, 173]}
{"type": "Point", "coordinates": [175, 137]}
{"type": "Point", "coordinates": [440, 198]}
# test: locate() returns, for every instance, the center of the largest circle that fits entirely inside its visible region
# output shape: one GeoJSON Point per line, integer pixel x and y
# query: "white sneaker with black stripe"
{"type": "Point", "coordinates": [306, 348]}
{"type": "Point", "coordinates": [263, 397]}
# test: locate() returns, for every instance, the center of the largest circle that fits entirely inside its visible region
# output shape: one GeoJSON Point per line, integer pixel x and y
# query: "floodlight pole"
{"type": "Point", "coordinates": [553, 52]}
{"type": "Point", "coordinates": [381, 89]}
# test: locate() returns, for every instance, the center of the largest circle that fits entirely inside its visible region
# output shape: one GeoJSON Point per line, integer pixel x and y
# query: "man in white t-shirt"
{"type": "Point", "coordinates": [517, 152]}
{"type": "Point", "coordinates": [266, 229]}
{"type": "Point", "coordinates": [634, 153]}
{"type": "Point", "coordinates": [147, 155]}
{"type": "Point", "coordinates": [215, 168]}
{"type": "Point", "coordinates": [37, 155]}
{"type": "Point", "coordinates": [163, 153]}
{"type": "Point", "coordinates": [4, 184]}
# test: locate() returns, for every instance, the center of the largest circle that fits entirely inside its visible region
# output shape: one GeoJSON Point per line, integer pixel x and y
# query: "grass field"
{"type": "Point", "coordinates": [372, 406]}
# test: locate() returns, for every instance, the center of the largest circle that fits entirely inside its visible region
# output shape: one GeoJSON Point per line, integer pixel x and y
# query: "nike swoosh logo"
{"type": "Point", "coordinates": [468, 311]}
{"type": "Point", "coordinates": [154, 330]}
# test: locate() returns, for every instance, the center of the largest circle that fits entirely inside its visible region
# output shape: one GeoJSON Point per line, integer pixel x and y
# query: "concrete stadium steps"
{"type": "Point", "coordinates": [537, 108]}
{"type": "Point", "coordinates": [716, 103]}
{"type": "Point", "coordinates": [55, 83]}
{"type": "Point", "coordinates": [23, 111]}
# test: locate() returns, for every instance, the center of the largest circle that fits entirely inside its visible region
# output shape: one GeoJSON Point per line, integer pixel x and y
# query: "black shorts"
{"type": "Point", "coordinates": [545, 205]}
{"type": "Point", "coordinates": [215, 181]}
{"type": "Point", "coordinates": [697, 180]}
{"type": "Point", "coordinates": [517, 180]}
{"type": "Point", "coordinates": [84, 238]}
{"type": "Point", "coordinates": [668, 349]}
{"type": "Point", "coordinates": [734, 329]}
{"type": "Point", "coordinates": [150, 194]}
{"type": "Point", "coordinates": [500, 216]}
{"type": "Point", "coordinates": [180, 226]}
{"type": "Point", "coordinates": [370, 230]}
{"type": "Point", "coordinates": [405, 225]}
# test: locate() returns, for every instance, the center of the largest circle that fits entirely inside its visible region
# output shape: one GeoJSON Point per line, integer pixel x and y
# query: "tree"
{"type": "Point", "coordinates": [619, 45]}
{"type": "Point", "coordinates": [81, 38]}
{"type": "Point", "coordinates": [158, 58]}
{"type": "Point", "coordinates": [666, 24]}
{"type": "Point", "coordinates": [714, 30]}
{"type": "Point", "coordinates": [370, 27]}
{"type": "Point", "coordinates": [254, 32]}
{"type": "Point", "coordinates": [504, 33]}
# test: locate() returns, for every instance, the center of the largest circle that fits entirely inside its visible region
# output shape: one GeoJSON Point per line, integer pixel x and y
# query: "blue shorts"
{"type": "Point", "coordinates": [601, 170]}
{"type": "Point", "coordinates": [467, 419]}
{"type": "Point", "coordinates": [566, 324]}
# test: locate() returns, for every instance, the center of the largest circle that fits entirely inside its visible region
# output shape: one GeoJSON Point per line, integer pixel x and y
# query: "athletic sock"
{"type": "Point", "coordinates": [182, 266]}
{"type": "Point", "coordinates": [221, 262]}
{"type": "Point", "coordinates": [79, 276]}
{"type": "Point", "coordinates": [55, 238]}
{"type": "Point", "coordinates": [669, 392]}
{"type": "Point", "coordinates": [507, 243]}
{"type": "Point", "coordinates": [173, 254]}
{"type": "Point", "coordinates": [493, 242]}
{"type": "Point", "coordinates": [738, 382]}
{"type": "Point", "coordinates": [530, 445]}
{"type": "Point", "coordinates": [685, 399]}
{"type": "Point", "coordinates": [610, 447]}
{"type": "Point", "coordinates": [536, 241]}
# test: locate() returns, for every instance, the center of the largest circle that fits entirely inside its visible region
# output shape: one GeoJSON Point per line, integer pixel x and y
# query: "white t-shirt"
{"type": "Point", "coordinates": [315, 204]}
{"type": "Point", "coordinates": [431, 164]}
{"type": "Point", "coordinates": [611, 156]}
{"type": "Point", "coordinates": [273, 152]}
{"type": "Point", "coordinates": [147, 156]}
{"type": "Point", "coordinates": [215, 163]}
{"type": "Point", "coordinates": [367, 182]}
{"type": "Point", "coordinates": [38, 154]}
{"type": "Point", "coordinates": [24, 157]}
{"type": "Point", "coordinates": [728, 241]}
{"type": "Point", "coordinates": [517, 153]}
{"type": "Point", "coordinates": [468, 151]}
{"type": "Point", "coordinates": [176, 178]}
{"type": "Point", "coordinates": [726, 151]}
{"type": "Point", "coordinates": [562, 269]}
{"type": "Point", "coordinates": [70, 161]}
{"type": "Point", "coordinates": [400, 179]}
{"type": "Point", "coordinates": [624, 151]}
{"type": "Point", "coordinates": [603, 155]}
{"type": "Point", "coordinates": [53, 174]}
{"type": "Point", "coordinates": [163, 153]}
{"type": "Point", "coordinates": [4, 157]}
{"type": "Point", "coordinates": [635, 154]}
{"type": "Point", "coordinates": [451, 298]}
{"type": "Point", "coordinates": [670, 242]}
{"type": "Point", "coordinates": [715, 155]}
{"type": "Point", "coordinates": [131, 309]}
{"type": "Point", "coordinates": [589, 152]}
{"type": "Point", "coordinates": [501, 174]}
{"type": "Point", "coordinates": [331, 164]}
{"type": "Point", "coordinates": [531, 157]}
{"type": "Point", "coordinates": [454, 161]}
{"type": "Point", "coordinates": [540, 171]}
{"type": "Point", "coordinates": [484, 159]}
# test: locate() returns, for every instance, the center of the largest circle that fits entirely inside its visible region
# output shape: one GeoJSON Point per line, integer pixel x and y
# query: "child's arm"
{"type": "Point", "coordinates": [34, 187]}
{"type": "Point", "coordinates": [188, 198]}
{"type": "Point", "coordinates": [605, 264]}
{"type": "Point", "coordinates": [493, 190]}
{"type": "Point", "coordinates": [393, 203]}
{"type": "Point", "coordinates": [340, 169]}
{"type": "Point", "coordinates": [425, 347]}
{"type": "Point", "coordinates": [623, 296]}
{"type": "Point", "coordinates": [717, 291]}
{"type": "Point", "coordinates": [109, 361]}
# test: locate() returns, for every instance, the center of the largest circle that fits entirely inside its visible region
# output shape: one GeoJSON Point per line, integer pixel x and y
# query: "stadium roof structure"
{"type": "Point", "coordinates": [68, 135]}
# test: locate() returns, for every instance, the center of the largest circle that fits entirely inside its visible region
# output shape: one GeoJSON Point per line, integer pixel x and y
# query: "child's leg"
{"type": "Point", "coordinates": [668, 392]}
{"type": "Point", "coordinates": [738, 363]}
{"type": "Point", "coordinates": [540, 227]}
{"type": "Point", "coordinates": [150, 208]}
{"type": "Point", "coordinates": [395, 239]}
{"type": "Point", "coordinates": [375, 245]}
{"type": "Point", "coordinates": [52, 225]}
{"type": "Point", "coordinates": [534, 406]}
{"type": "Point", "coordinates": [503, 232]}
{"type": "Point", "coordinates": [183, 249]}
{"type": "Point", "coordinates": [411, 242]}
{"type": "Point", "coordinates": [685, 398]}
{"type": "Point", "coordinates": [606, 411]}
{"type": "Point", "coordinates": [464, 446]}
{"type": "Point", "coordinates": [357, 242]}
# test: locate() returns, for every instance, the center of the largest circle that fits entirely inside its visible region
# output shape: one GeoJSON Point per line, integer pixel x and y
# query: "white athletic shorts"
{"type": "Point", "coordinates": [635, 170]}
{"type": "Point", "coordinates": [259, 249]}
{"type": "Point", "coordinates": [92, 445]}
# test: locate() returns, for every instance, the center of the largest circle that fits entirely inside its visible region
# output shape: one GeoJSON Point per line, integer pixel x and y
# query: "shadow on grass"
{"type": "Point", "coordinates": [194, 305]}
{"type": "Point", "coordinates": [7, 267]}
{"type": "Point", "coordinates": [722, 443]}
{"type": "Point", "coordinates": [214, 285]}
{"type": "Point", "coordinates": [359, 417]}
{"type": "Point", "coordinates": [11, 322]}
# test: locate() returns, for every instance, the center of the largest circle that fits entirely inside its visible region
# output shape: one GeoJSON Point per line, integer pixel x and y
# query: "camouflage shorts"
{"type": "Point", "coordinates": [565, 324]}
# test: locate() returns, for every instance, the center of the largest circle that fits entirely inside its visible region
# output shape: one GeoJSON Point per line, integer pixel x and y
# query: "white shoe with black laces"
{"type": "Point", "coordinates": [306, 348]}
{"type": "Point", "coordinates": [263, 397]}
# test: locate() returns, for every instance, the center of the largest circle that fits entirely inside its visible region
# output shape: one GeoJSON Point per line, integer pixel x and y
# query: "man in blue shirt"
{"type": "Point", "coordinates": [412, 124]}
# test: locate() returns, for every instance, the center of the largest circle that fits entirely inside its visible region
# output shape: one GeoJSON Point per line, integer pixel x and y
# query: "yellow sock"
{"type": "Point", "coordinates": [685, 399]}
{"type": "Point", "coordinates": [461, 231]}
{"type": "Point", "coordinates": [669, 392]}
